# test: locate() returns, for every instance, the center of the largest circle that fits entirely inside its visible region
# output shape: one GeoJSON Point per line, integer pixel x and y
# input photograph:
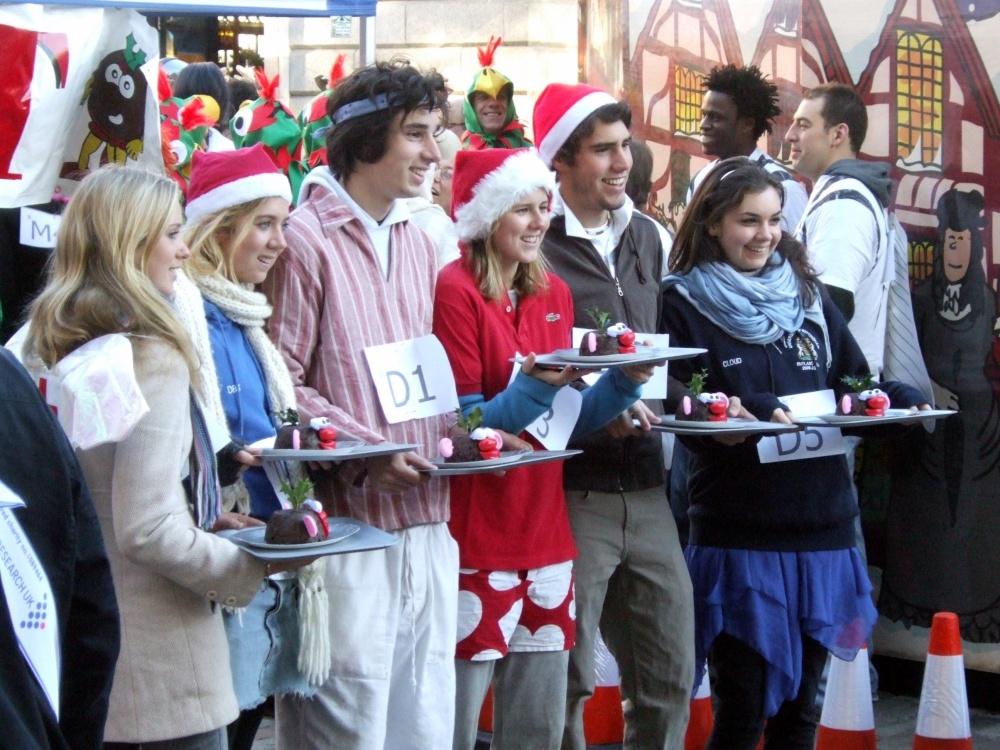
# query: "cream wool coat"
{"type": "Point", "coordinates": [173, 677]}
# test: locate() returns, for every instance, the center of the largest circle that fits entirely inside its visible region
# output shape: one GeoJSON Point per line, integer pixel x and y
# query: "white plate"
{"type": "Point", "coordinates": [892, 416]}
{"type": "Point", "coordinates": [526, 458]}
{"type": "Point", "coordinates": [506, 457]}
{"type": "Point", "coordinates": [732, 426]}
{"type": "Point", "coordinates": [572, 357]}
{"type": "Point", "coordinates": [254, 536]}
{"type": "Point", "coordinates": [358, 449]}
{"type": "Point", "coordinates": [312, 454]}
{"type": "Point", "coordinates": [368, 538]}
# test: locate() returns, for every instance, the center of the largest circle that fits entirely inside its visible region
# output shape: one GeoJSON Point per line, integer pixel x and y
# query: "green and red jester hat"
{"type": "Point", "coordinates": [315, 122]}
{"type": "Point", "coordinates": [492, 82]}
{"type": "Point", "coordinates": [184, 123]}
{"type": "Point", "coordinates": [270, 123]}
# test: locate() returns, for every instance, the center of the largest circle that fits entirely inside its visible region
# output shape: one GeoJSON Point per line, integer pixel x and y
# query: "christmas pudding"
{"type": "Point", "coordinates": [479, 444]}
{"type": "Point", "coordinates": [300, 520]}
{"type": "Point", "coordinates": [864, 399]}
{"type": "Point", "coordinates": [607, 338]}
{"type": "Point", "coordinates": [318, 434]}
{"type": "Point", "coordinates": [702, 406]}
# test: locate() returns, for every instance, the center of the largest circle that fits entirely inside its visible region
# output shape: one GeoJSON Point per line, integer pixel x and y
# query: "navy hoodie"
{"type": "Point", "coordinates": [736, 501]}
{"type": "Point", "coordinates": [244, 400]}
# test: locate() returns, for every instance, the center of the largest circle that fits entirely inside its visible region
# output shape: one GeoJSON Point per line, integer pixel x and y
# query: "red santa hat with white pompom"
{"type": "Point", "coordinates": [488, 183]}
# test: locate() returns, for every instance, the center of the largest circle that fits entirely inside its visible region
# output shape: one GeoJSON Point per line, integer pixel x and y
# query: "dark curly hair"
{"type": "Point", "coordinates": [365, 138]}
{"type": "Point", "coordinates": [754, 96]}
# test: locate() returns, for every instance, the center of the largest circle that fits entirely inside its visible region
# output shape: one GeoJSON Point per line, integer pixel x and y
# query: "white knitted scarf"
{"type": "Point", "coordinates": [250, 310]}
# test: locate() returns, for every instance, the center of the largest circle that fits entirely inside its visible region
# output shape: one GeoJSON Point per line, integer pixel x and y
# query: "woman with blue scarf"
{"type": "Point", "coordinates": [777, 580]}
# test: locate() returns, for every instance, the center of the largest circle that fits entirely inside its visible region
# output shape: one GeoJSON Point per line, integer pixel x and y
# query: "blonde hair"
{"type": "Point", "coordinates": [483, 259]}
{"type": "Point", "coordinates": [213, 240]}
{"type": "Point", "coordinates": [97, 282]}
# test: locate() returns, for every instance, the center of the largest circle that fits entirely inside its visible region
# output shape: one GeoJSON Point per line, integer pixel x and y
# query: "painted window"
{"type": "Point", "coordinates": [688, 93]}
{"type": "Point", "coordinates": [921, 260]}
{"type": "Point", "coordinates": [919, 99]}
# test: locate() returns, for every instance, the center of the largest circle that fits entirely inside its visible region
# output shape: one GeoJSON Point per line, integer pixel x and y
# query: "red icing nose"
{"type": "Point", "coordinates": [627, 338]}
{"type": "Point", "coordinates": [327, 434]}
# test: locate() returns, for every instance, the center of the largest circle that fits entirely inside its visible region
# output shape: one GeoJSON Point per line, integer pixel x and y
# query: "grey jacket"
{"type": "Point", "coordinates": [607, 464]}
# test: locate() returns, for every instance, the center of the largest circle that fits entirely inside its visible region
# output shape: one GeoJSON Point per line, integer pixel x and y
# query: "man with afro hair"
{"type": "Point", "coordinates": [739, 107]}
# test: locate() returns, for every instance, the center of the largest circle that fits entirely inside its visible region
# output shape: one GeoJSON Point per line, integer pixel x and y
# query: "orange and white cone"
{"type": "Point", "coordinates": [943, 717]}
{"type": "Point", "coordinates": [848, 721]}
{"type": "Point", "coordinates": [701, 722]}
{"type": "Point", "coordinates": [603, 721]}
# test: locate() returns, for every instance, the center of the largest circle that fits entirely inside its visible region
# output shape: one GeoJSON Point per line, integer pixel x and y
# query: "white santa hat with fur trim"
{"type": "Point", "coordinates": [489, 183]}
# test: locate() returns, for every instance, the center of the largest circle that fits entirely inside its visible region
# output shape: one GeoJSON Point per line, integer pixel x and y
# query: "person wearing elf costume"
{"type": "Point", "coordinates": [631, 579]}
{"type": "Point", "coordinates": [267, 121]}
{"type": "Point", "coordinates": [490, 117]}
{"type": "Point", "coordinates": [494, 302]}
{"type": "Point", "coordinates": [315, 122]}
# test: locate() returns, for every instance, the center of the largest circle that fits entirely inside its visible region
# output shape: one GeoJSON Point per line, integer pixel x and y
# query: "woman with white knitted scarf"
{"type": "Point", "coordinates": [237, 205]}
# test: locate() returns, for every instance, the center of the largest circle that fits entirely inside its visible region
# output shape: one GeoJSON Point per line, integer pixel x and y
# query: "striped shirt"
{"type": "Point", "coordinates": [331, 301]}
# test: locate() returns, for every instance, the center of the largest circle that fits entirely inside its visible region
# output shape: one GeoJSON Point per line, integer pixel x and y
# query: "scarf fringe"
{"type": "Point", "coordinates": [314, 627]}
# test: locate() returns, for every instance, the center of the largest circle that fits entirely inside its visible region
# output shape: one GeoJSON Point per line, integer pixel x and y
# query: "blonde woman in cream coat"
{"type": "Point", "coordinates": [116, 261]}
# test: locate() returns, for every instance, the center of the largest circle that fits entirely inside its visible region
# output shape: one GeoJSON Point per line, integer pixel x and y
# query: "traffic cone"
{"type": "Point", "coordinates": [603, 721]}
{"type": "Point", "coordinates": [943, 717]}
{"type": "Point", "coordinates": [701, 722]}
{"type": "Point", "coordinates": [848, 721]}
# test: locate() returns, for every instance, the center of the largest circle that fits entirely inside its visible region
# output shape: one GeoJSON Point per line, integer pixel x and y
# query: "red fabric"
{"type": "Point", "coordinates": [517, 521]}
{"type": "Point", "coordinates": [520, 611]}
{"type": "Point", "coordinates": [471, 166]}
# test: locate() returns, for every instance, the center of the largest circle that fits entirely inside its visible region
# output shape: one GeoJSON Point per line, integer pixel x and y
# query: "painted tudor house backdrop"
{"type": "Point", "coordinates": [929, 72]}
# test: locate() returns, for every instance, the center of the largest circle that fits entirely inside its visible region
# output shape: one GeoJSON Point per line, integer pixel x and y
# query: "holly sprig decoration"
{"type": "Point", "coordinates": [297, 493]}
{"type": "Point", "coordinates": [601, 318]}
{"type": "Point", "coordinates": [470, 422]}
{"type": "Point", "coordinates": [857, 385]}
{"type": "Point", "coordinates": [134, 55]}
{"type": "Point", "coordinates": [697, 382]}
{"type": "Point", "coordinates": [287, 416]}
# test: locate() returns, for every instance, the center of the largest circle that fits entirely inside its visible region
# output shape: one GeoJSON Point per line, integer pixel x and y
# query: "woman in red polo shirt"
{"type": "Point", "coordinates": [516, 620]}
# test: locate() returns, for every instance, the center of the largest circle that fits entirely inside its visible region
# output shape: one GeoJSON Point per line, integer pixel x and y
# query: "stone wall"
{"type": "Point", "coordinates": [539, 44]}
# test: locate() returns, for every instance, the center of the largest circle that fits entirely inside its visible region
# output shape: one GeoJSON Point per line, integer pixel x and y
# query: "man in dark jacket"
{"type": "Point", "coordinates": [53, 693]}
{"type": "Point", "coordinates": [631, 578]}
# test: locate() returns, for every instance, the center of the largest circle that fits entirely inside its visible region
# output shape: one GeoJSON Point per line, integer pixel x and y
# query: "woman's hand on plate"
{"type": "Point", "coordinates": [235, 521]}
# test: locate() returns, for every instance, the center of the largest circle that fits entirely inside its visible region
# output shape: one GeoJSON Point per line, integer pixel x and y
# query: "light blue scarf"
{"type": "Point", "coordinates": [755, 309]}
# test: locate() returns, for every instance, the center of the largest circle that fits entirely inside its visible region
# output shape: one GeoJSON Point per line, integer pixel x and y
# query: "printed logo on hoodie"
{"type": "Point", "coordinates": [806, 347]}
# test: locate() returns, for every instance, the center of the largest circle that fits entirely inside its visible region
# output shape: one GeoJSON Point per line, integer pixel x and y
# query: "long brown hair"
{"type": "Point", "coordinates": [722, 191]}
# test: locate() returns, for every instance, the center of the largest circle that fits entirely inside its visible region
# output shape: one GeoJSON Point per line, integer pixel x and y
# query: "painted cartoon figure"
{"type": "Point", "coordinates": [948, 504]}
{"type": "Point", "coordinates": [269, 122]}
{"type": "Point", "coordinates": [116, 102]}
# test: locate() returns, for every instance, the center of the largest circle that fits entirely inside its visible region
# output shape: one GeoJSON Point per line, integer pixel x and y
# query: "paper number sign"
{"type": "Point", "coordinates": [554, 427]}
{"type": "Point", "coordinates": [413, 379]}
{"type": "Point", "coordinates": [812, 442]}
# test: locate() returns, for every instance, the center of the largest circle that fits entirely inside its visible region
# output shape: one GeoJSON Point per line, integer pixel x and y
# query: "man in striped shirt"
{"type": "Point", "coordinates": [358, 274]}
